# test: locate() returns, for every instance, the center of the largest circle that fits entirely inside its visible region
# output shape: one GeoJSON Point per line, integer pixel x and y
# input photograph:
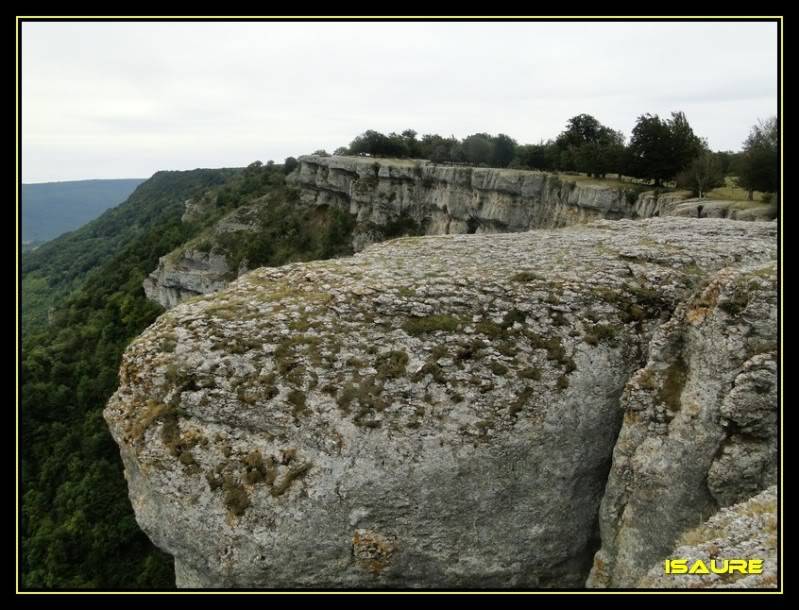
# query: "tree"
{"type": "Point", "coordinates": [370, 142]}
{"type": "Point", "coordinates": [703, 174]}
{"type": "Point", "coordinates": [289, 165]}
{"type": "Point", "coordinates": [728, 160]}
{"type": "Point", "coordinates": [659, 149]}
{"type": "Point", "coordinates": [436, 148]}
{"type": "Point", "coordinates": [478, 148]}
{"type": "Point", "coordinates": [377, 144]}
{"type": "Point", "coordinates": [759, 166]}
{"type": "Point", "coordinates": [684, 145]}
{"type": "Point", "coordinates": [530, 156]}
{"type": "Point", "coordinates": [602, 156]}
{"type": "Point", "coordinates": [412, 145]}
{"type": "Point", "coordinates": [586, 145]}
{"type": "Point", "coordinates": [581, 129]}
{"type": "Point", "coordinates": [503, 150]}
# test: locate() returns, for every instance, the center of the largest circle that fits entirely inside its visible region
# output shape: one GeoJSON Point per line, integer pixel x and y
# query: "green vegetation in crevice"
{"type": "Point", "coordinates": [672, 385]}
{"type": "Point", "coordinates": [599, 333]}
{"type": "Point", "coordinates": [520, 401]}
{"type": "Point", "coordinates": [292, 474]}
{"type": "Point", "coordinates": [430, 324]}
{"type": "Point", "coordinates": [391, 364]}
{"type": "Point", "coordinates": [634, 302]}
{"type": "Point", "coordinates": [287, 232]}
{"type": "Point", "coordinates": [432, 368]}
{"type": "Point", "coordinates": [526, 276]}
{"type": "Point", "coordinates": [366, 397]}
{"type": "Point", "coordinates": [236, 499]}
{"type": "Point", "coordinates": [736, 301]}
{"type": "Point", "coordinates": [531, 372]}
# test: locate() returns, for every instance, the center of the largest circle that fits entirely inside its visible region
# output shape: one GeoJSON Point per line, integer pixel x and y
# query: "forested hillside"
{"type": "Point", "coordinates": [59, 266]}
{"type": "Point", "coordinates": [78, 528]}
{"type": "Point", "coordinates": [52, 208]}
{"type": "Point", "coordinates": [82, 303]}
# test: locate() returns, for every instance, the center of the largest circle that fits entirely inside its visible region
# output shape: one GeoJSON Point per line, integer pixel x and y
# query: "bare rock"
{"type": "Point", "coordinates": [700, 419]}
{"type": "Point", "coordinates": [436, 411]}
{"type": "Point", "coordinates": [747, 530]}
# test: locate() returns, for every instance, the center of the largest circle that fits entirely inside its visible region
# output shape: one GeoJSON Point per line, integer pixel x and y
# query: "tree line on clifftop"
{"type": "Point", "coordinates": [659, 150]}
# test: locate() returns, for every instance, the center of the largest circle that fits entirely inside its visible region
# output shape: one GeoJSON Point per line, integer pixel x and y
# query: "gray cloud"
{"type": "Point", "coordinates": [109, 100]}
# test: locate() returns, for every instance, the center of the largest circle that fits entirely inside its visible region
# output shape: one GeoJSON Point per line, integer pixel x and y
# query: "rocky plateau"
{"type": "Point", "coordinates": [555, 407]}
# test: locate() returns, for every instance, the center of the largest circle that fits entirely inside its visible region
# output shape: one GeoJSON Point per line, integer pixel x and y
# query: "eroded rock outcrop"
{"type": "Point", "coordinates": [443, 199]}
{"type": "Point", "coordinates": [199, 267]}
{"type": "Point", "coordinates": [700, 424]}
{"type": "Point", "coordinates": [675, 204]}
{"type": "Point", "coordinates": [186, 273]}
{"type": "Point", "coordinates": [389, 197]}
{"type": "Point", "coordinates": [432, 412]}
{"type": "Point", "coordinates": [747, 530]}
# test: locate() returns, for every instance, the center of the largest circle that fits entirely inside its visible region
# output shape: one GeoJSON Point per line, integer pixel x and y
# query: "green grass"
{"type": "Point", "coordinates": [734, 193]}
{"type": "Point", "coordinates": [611, 182]}
{"type": "Point", "coordinates": [429, 324]}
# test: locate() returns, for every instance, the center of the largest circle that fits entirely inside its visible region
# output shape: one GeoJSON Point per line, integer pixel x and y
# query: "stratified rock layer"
{"type": "Point", "coordinates": [432, 412]}
{"type": "Point", "coordinates": [445, 199]}
{"type": "Point", "coordinates": [394, 196]}
{"type": "Point", "coordinates": [197, 267]}
{"type": "Point", "coordinates": [185, 274]}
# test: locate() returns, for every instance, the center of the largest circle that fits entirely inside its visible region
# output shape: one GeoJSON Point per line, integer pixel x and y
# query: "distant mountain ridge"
{"type": "Point", "coordinates": [52, 208]}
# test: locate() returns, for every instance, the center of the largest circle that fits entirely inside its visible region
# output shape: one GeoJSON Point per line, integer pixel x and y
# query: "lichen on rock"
{"type": "Point", "coordinates": [700, 424]}
{"type": "Point", "coordinates": [386, 198]}
{"type": "Point", "coordinates": [431, 412]}
{"type": "Point", "coordinates": [743, 531]}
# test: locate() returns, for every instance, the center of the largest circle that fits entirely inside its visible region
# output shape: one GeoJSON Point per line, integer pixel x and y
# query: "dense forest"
{"type": "Point", "coordinates": [52, 208]}
{"type": "Point", "coordinates": [77, 526]}
{"type": "Point", "coordinates": [61, 265]}
{"type": "Point", "coordinates": [82, 303]}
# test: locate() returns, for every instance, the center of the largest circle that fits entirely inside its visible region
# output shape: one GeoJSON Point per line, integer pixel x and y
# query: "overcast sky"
{"type": "Point", "coordinates": [119, 100]}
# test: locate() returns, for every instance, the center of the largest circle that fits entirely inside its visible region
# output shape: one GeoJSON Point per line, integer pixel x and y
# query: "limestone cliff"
{"type": "Point", "coordinates": [745, 530]}
{"type": "Point", "coordinates": [198, 267]}
{"type": "Point", "coordinates": [185, 273]}
{"type": "Point", "coordinates": [445, 199]}
{"type": "Point", "coordinates": [700, 420]}
{"type": "Point", "coordinates": [393, 196]}
{"type": "Point", "coordinates": [388, 197]}
{"type": "Point", "coordinates": [443, 411]}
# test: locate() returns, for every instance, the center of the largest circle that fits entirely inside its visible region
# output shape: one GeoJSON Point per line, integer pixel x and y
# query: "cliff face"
{"type": "Point", "coordinates": [442, 411]}
{"type": "Point", "coordinates": [745, 530]}
{"type": "Point", "coordinates": [197, 267]}
{"type": "Point", "coordinates": [388, 197]}
{"type": "Point", "coordinates": [184, 274]}
{"type": "Point", "coordinates": [700, 421]}
{"type": "Point", "coordinates": [444, 199]}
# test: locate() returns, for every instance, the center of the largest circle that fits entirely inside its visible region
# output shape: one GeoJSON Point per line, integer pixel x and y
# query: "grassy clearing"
{"type": "Point", "coordinates": [734, 193]}
{"type": "Point", "coordinates": [624, 183]}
